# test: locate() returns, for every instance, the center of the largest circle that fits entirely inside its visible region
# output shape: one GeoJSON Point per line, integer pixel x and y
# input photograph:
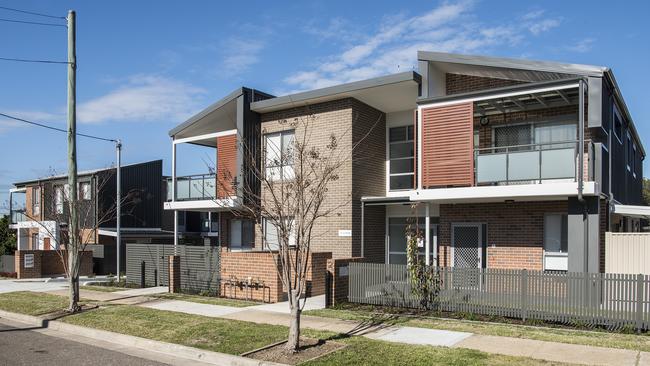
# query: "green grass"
{"type": "Point", "coordinates": [102, 288]}
{"type": "Point", "coordinates": [364, 351]}
{"type": "Point", "coordinates": [214, 334]}
{"type": "Point", "coordinates": [212, 300]}
{"type": "Point", "coordinates": [32, 303]}
{"type": "Point", "coordinates": [236, 337]}
{"type": "Point", "coordinates": [584, 337]}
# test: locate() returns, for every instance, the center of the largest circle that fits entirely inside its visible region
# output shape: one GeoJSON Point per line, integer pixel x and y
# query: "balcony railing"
{"type": "Point", "coordinates": [527, 163]}
{"type": "Point", "coordinates": [18, 215]}
{"type": "Point", "coordinates": [193, 187]}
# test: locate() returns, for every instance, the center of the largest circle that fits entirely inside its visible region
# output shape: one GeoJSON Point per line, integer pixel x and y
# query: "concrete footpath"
{"type": "Point", "coordinates": [549, 351]}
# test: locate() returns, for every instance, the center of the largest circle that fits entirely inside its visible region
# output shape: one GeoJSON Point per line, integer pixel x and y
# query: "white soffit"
{"type": "Point", "coordinates": [633, 211]}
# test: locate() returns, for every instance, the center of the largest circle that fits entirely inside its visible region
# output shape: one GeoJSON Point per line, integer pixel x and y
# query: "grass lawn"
{"type": "Point", "coordinates": [236, 337]}
{"type": "Point", "coordinates": [103, 288]}
{"type": "Point", "coordinates": [32, 303]}
{"type": "Point", "coordinates": [585, 337]}
{"type": "Point", "coordinates": [212, 300]}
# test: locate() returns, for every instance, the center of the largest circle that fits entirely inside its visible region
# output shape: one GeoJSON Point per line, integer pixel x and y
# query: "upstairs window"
{"type": "Point", "coordinates": [279, 155]}
{"type": "Point", "coordinates": [58, 199]}
{"type": "Point", "coordinates": [401, 152]}
{"type": "Point", "coordinates": [618, 126]}
{"type": "Point", "coordinates": [85, 191]}
{"type": "Point", "coordinates": [36, 201]}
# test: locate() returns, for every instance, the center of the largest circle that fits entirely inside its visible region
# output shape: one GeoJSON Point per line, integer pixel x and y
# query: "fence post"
{"type": "Point", "coordinates": [142, 272]}
{"type": "Point", "coordinates": [639, 302]}
{"type": "Point", "coordinates": [524, 294]}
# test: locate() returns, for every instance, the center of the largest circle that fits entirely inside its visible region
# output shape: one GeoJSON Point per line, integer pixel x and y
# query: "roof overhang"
{"type": "Point", "coordinates": [631, 211]}
{"type": "Point", "coordinates": [134, 232]}
{"type": "Point", "coordinates": [389, 93]}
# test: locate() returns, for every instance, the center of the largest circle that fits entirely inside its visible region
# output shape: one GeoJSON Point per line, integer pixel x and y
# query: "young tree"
{"type": "Point", "coordinates": [7, 237]}
{"type": "Point", "coordinates": [91, 213]}
{"type": "Point", "coordinates": [286, 186]}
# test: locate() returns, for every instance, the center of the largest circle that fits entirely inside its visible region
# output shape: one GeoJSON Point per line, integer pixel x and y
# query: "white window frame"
{"type": "Point", "coordinates": [59, 198]}
{"type": "Point", "coordinates": [242, 245]}
{"type": "Point", "coordinates": [36, 201]}
{"type": "Point", "coordinates": [82, 191]}
{"type": "Point", "coordinates": [390, 160]}
{"type": "Point", "coordinates": [271, 246]}
{"type": "Point", "coordinates": [285, 165]}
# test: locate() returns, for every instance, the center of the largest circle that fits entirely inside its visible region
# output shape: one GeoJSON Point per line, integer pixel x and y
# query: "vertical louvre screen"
{"type": "Point", "coordinates": [447, 146]}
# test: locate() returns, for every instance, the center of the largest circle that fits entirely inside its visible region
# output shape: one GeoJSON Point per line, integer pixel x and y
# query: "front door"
{"type": "Point", "coordinates": [466, 245]}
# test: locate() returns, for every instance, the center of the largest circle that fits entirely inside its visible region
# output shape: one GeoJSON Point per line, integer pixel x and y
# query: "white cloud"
{"type": "Point", "coordinates": [240, 54]}
{"type": "Point", "coordinates": [582, 46]}
{"type": "Point", "coordinates": [142, 98]}
{"type": "Point", "coordinates": [393, 46]}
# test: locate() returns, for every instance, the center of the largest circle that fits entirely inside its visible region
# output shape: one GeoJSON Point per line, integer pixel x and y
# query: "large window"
{"type": "Point", "coordinates": [279, 155]}
{"type": "Point", "coordinates": [58, 199]}
{"type": "Point", "coordinates": [402, 158]}
{"type": "Point", "coordinates": [36, 201]}
{"type": "Point", "coordinates": [242, 234]}
{"type": "Point", "coordinates": [397, 240]}
{"type": "Point", "coordinates": [536, 133]}
{"type": "Point", "coordinates": [618, 125]}
{"type": "Point", "coordinates": [271, 238]}
{"type": "Point", "coordinates": [85, 191]}
{"type": "Point", "coordinates": [555, 233]}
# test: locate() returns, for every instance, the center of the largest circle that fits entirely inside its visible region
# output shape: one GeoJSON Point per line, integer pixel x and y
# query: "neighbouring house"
{"type": "Point", "coordinates": [39, 211]}
{"type": "Point", "coordinates": [506, 163]}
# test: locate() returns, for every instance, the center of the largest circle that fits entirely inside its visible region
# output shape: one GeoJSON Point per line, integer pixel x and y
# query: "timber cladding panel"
{"type": "Point", "coordinates": [447, 146]}
{"type": "Point", "coordinates": [226, 165]}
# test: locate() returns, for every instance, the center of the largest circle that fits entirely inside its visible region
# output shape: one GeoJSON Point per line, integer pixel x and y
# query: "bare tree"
{"type": "Point", "coordinates": [286, 187]}
{"type": "Point", "coordinates": [92, 213]}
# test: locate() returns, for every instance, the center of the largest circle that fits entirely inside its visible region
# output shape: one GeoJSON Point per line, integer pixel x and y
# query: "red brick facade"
{"type": "Point", "coordinates": [48, 263]}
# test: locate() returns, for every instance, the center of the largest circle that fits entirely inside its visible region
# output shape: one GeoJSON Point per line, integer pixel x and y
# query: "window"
{"type": "Point", "coordinates": [401, 158]}
{"type": "Point", "coordinates": [397, 239]}
{"type": "Point", "coordinates": [630, 153]}
{"type": "Point", "coordinates": [271, 238]}
{"type": "Point", "coordinates": [35, 242]}
{"type": "Point", "coordinates": [84, 191]}
{"type": "Point", "coordinates": [58, 199]}
{"type": "Point", "coordinates": [556, 233]}
{"type": "Point", "coordinates": [279, 155]}
{"type": "Point", "coordinates": [242, 233]}
{"type": "Point", "coordinates": [36, 201]}
{"type": "Point", "coordinates": [634, 166]}
{"type": "Point", "coordinates": [618, 125]}
{"type": "Point", "coordinates": [536, 133]}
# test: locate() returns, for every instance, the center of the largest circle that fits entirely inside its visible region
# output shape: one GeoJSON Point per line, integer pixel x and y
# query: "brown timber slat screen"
{"type": "Point", "coordinates": [199, 266]}
{"type": "Point", "coordinates": [595, 299]}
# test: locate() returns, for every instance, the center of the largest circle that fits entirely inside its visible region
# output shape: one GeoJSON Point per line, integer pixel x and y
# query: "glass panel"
{"type": "Point", "coordinates": [402, 166]}
{"type": "Point", "coordinates": [273, 147]}
{"type": "Point", "coordinates": [552, 132]}
{"type": "Point", "coordinates": [210, 188]}
{"type": "Point", "coordinates": [401, 182]}
{"type": "Point", "coordinates": [553, 233]}
{"type": "Point", "coordinates": [271, 234]}
{"type": "Point", "coordinates": [410, 132]}
{"type": "Point", "coordinates": [182, 189]}
{"type": "Point", "coordinates": [235, 233]}
{"type": "Point", "coordinates": [491, 168]}
{"type": "Point", "coordinates": [558, 164]}
{"type": "Point", "coordinates": [523, 165]}
{"type": "Point", "coordinates": [196, 187]}
{"type": "Point", "coordinates": [397, 134]}
{"type": "Point", "coordinates": [287, 147]}
{"type": "Point", "coordinates": [397, 258]}
{"type": "Point", "coordinates": [401, 150]}
{"type": "Point", "coordinates": [397, 235]}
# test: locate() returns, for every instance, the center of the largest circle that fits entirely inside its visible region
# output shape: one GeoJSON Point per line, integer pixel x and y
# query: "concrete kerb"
{"type": "Point", "coordinates": [170, 349]}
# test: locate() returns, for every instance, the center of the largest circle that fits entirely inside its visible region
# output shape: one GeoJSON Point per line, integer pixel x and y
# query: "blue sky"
{"type": "Point", "coordinates": [145, 66]}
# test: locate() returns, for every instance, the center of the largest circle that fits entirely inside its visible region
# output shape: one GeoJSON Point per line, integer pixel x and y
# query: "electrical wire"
{"type": "Point", "coordinates": [33, 23]}
{"type": "Point", "coordinates": [55, 128]}
{"type": "Point", "coordinates": [30, 60]}
{"type": "Point", "coordinates": [32, 13]}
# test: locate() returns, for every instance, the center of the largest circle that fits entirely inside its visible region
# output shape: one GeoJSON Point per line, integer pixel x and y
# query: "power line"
{"type": "Point", "coordinates": [32, 13]}
{"type": "Point", "coordinates": [33, 23]}
{"type": "Point", "coordinates": [54, 128]}
{"type": "Point", "coordinates": [30, 60]}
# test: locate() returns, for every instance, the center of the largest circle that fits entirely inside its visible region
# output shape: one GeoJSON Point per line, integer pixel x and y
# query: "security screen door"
{"type": "Point", "coordinates": [466, 245]}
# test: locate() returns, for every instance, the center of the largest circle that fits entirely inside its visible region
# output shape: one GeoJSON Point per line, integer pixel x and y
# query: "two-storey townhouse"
{"type": "Point", "coordinates": [42, 222]}
{"type": "Point", "coordinates": [505, 163]}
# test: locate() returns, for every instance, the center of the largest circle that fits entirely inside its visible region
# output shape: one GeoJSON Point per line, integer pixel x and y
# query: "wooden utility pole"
{"type": "Point", "coordinates": [73, 229]}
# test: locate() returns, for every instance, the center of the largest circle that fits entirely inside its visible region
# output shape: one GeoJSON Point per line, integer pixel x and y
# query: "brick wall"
{"type": "Point", "coordinates": [515, 231]}
{"type": "Point", "coordinates": [350, 121]}
{"type": "Point", "coordinates": [174, 273]}
{"type": "Point", "coordinates": [258, 267]}
{"type": "Point", "coordinates": [457, 83]}
{"type": "Point", "coordinates": [339, 282]}
{"type": "Point", "coordinates": [48, 263]}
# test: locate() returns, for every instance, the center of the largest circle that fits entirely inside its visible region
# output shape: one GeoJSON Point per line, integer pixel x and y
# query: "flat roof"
{"type": "Point", "coordinates": [352, 89]}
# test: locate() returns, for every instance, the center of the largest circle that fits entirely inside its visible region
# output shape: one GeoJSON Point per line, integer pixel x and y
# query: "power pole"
{"type": "Point", "coordinates": [73, 238]}
{"type": "Point", "coordinates": [118, 203]}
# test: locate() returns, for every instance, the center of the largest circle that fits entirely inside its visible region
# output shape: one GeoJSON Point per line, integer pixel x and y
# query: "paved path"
{"type": "Point", "coordinates": [42, 284]}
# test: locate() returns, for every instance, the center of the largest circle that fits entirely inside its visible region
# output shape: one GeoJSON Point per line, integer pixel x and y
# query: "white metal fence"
{"type": "Point", "coordinates": [627, 253]}
{"type": "Point", "coordinates": [603, 299]}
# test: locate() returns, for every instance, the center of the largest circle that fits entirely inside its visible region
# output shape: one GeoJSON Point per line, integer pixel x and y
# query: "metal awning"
{"type": "Point", "coordinates": [632, 211]}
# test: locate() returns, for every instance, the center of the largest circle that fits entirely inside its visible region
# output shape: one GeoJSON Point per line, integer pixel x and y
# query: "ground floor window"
{"type": "Point", "coordinates": [556, 235]}
{"type": "Point", "coordinates": [271, 239]}
{"type": "Point", "coordinates": [242, 234]}
{"type": "Point", "coordinates": [397, 240]}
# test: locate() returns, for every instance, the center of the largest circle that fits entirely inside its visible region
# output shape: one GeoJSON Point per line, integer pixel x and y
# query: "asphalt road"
{"type": "Point", "coordinates": [21, 346]}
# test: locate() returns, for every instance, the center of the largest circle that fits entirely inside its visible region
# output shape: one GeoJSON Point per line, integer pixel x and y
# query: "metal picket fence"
{"type": "Point", "coordinates": [592, 299]}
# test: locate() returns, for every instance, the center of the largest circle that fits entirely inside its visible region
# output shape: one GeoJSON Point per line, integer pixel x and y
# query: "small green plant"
{"type": "Point", "coordinates": [425, 280]}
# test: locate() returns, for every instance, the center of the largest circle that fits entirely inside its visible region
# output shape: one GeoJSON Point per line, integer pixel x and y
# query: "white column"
{"type": "Point", "coordinates": [175, 227]}
{"type": "Point", "coordinates": [173, 170]}
{"type": "Point", "coordinates": [19, 239]}
{"type": "Point", "coordinates": [427, 233]}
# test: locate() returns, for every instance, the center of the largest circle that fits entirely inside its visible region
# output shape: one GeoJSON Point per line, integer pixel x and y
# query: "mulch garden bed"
{"type": "Point", "coordinates": [309, 349]}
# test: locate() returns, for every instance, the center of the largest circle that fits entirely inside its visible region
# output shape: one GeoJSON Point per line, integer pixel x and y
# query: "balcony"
{"type": "Point", "coordinates": [528, 164]}
{"type": "Point", "coordinates": [193, 188]}
{"type": "Point", "coordinates": [18, 215]}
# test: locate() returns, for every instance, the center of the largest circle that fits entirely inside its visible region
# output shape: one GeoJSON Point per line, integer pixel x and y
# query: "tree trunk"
{"type": "Point", "coordinates": [73, 281]}
{"type": "Point", "coordinates": [294, 328]}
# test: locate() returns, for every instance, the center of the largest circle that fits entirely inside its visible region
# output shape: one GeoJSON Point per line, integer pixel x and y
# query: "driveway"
{"type": "Point", "coordinates": [41, 284]}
